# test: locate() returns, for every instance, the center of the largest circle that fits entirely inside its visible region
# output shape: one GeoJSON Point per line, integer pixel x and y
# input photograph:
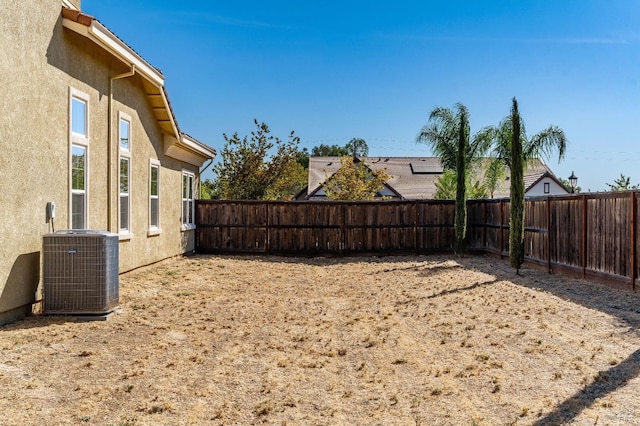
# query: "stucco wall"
{"type": "Point", "coordinates": [147, 143]}
{"type": "Point", "coordinates": [42, 62]}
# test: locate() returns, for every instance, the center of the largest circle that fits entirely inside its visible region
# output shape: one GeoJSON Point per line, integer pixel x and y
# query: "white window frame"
{"type": "Point", "coordinates": [188, 203]}
{"type": "Point", "coordinates": [154, 229]}
{"type": "Point", "coordinates": [125, 154]}
{"type": "Point", "coordinates": [81, 141]}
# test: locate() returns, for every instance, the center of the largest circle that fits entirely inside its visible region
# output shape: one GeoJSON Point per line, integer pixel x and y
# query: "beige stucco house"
{"type": "Point", "coordinates": [86, 124]}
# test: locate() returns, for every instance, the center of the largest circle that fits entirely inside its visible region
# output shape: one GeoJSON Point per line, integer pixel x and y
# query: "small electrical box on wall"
{"type": "Point", "coordinates": [51, 210]}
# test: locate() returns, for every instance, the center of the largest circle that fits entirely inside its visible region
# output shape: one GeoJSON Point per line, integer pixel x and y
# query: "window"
{"type": "Point", "coordinates": [154, 197]}
{"type": "Point", "coordinates": [124, 194]}
{"type": "Point", "coordinates": [78, 116]}
{"type": "Point", "coordinates": [188, 179]}
{"type": "Point", "coordinates": [79, 161]}
{"type": "Point", "coordinates": [124, 132]}
{"type": "Point", "coordinates": [78, 187]}
{"type": "Point", "coordinates": [546, 187]}
{"type": "Point", "coordinates": [124, 136]}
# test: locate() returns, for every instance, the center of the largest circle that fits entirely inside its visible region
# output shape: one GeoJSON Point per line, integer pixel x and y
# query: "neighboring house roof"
{"type": "Point", "coordinates": [414, 178]}
{"type": "Point", "coordinates": [534, 172]}
{"type": "Point", "coordinates": [411, 177]}
{"type": "Point", "coordinates": [387, 191]}
{"type": "Point", "coordinates": [535, 179]}
{"type": "Point", "coordinates": [177, 144]}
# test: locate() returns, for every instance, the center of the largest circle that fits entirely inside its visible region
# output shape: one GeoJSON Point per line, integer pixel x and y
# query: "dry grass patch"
{"type": "Point", "coordinates": [412, 340]}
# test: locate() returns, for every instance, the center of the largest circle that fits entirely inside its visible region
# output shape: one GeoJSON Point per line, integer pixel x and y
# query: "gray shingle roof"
{"type": "Point", "coordinates": [403, 180]}
{"type": "Point", "coordinates": [414, 177]}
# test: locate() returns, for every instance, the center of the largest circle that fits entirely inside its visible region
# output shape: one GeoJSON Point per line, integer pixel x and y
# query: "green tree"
{"type": "Point", "coordinates": [448, 134]}
{"type": "Point", "coordinates": [303, 158]}
{"type": "Point", "coordinates": [354, 181]}
{"type": "Point", "coordinates": [623, 183]}
{"type": "Point", "coordinates": [543, 144]}
{"type": "Point", "coordinates": [494, 174]}
{"type": "Point", "coordinates": [446, 187]}
{"type": "Point", "coordinates": [516, 225]}
{"type": "Point", "coordinates": [323, 150]}
{"type": "Point", "coordinates": [357, 147]}
{"type": "Point", "coordinates": [208, 190]}
{"type": "Point", "coordinates": [248, 171]}
{"type": "Point", "coordinates": [288, 183]}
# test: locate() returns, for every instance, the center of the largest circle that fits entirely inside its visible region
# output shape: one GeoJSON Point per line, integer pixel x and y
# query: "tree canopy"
{"type": "Point", "coordinates": [541, 145]}
{"type": "Point", "coordinates": [354, 181]}
{"type": "Point", "coordinates": [442, 132]}
{"type": "Point", "coordinates": [356, 147]}
{"type": "Point", "coordinates": [447, 183]}
{"type": "Point", "coordinates": [323, 150]}
{"type": "Point", "coordinates": [623, 183]}
{"type": "Point", "coordinates": [259, 167]}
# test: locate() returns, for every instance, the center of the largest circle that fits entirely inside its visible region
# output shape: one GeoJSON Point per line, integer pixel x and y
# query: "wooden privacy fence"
{"type": "Point", "coordinates": [319, 227]}
{"type": "Point", "coordinates": [589, 235]}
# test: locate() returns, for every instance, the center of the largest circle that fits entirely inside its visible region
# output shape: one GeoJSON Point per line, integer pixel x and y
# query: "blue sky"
{"type": "Point", "coordinates": [335, 70]}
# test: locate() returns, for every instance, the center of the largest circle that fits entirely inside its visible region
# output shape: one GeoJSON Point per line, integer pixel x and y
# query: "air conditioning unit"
{"type": "Point", "coordinates": [80, 272]}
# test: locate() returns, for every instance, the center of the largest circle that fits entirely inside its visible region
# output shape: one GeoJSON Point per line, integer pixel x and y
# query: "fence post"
{"type": "Point", "coordinates": [342, 228]}
{"type": "Point", "coordinates": [484, 222]}
{"type": "Point", "coordinates": [198, 222]}
{"type": "Point", "coordinates": [632, 241]}
{"type": "Point", "coordinates": [549, 233]}
{"type": "Point", "coordinates": [584, 236]}
{"type": "Point", "coordinates": [501, 224]}
{"type": "Point", "coordinates": [268, 242]}
{"type": "Point", "coordinates": [415, 227]}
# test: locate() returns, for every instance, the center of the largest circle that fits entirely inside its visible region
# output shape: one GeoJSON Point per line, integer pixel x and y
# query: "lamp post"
{"type": "Point", "coordinates": [573, 182]}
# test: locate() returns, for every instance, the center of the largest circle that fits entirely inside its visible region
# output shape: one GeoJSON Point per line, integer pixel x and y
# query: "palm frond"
{"type": "Point", "coordinates": [545, 143]}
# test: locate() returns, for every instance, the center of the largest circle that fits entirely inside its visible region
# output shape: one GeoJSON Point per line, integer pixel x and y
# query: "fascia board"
{"type": "Point", "coordinates": [83, 30]}
{"type": "Point", "coordinates": [174, 125]}
{"type": "Point", "coordinates": [176, 149]}
{"type": "Point", "coordinates": [109, 41]}
{"type": "Point", "coordinates": [194, 146]}
{"type": "Point", "coordinates": [69, 5]}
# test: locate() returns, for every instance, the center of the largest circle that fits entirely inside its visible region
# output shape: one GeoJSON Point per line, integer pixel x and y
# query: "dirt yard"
{"type": "Point", "coordinates": [388, 341]}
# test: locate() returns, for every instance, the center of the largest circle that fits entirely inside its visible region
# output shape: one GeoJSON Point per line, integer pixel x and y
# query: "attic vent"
{"type": "Point", "coordinates": [425, 169]}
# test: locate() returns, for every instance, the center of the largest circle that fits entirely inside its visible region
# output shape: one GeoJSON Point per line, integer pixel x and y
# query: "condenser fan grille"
{"type": "Point", "coordinates": [80, 272]}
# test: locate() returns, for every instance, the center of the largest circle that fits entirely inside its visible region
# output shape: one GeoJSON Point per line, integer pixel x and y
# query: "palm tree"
{"type": "Point", "coordinates": [442, 131]}
{"type": "Point", "coordinates": [448, 134]}
{"type": "Point", "coordinates": [494, 175]}
{"type": "Point", "coordinates": [358, 147]}
{"type": "Point", "coordinates": [542, 144]}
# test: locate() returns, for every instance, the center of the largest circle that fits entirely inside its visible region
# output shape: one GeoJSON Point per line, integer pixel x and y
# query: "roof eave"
{"type": "Point", "coordinates": [100, 35]}
{"type": "Point", "coordinates": [195, 152]}
{"type": "Point", "coordinates": [69, 5]}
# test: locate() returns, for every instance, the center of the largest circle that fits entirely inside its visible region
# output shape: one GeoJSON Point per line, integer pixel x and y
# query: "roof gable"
{"type": "Point", "coordinates": [334, 166]}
